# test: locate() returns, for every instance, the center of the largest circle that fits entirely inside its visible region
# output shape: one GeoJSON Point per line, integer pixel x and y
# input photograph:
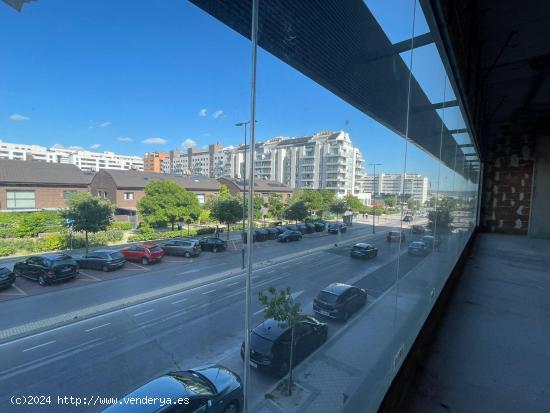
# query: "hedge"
{"type": "Point", "coordinates": [122, 225]}
{"type": "Point", "coordinates": [151, 236]}
{"type": "Point", "coordinates": [29, 224]}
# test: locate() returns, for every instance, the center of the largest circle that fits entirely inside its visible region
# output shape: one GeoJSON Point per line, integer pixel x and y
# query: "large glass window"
{"type": "Point", "coordinates": [20, 199]}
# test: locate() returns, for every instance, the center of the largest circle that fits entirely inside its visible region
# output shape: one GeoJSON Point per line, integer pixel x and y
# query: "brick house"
{"type": "Point", "coordinates": [34, 185]}
{"type": "Point", "coordinates": [261, 187]}
{"type": "Point", "coordinates": [126, 188]}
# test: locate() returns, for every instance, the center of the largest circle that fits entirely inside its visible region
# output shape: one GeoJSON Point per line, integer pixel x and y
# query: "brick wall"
{"type": "Point", "coordinates": [45, 197]}
{"type": "Point", "coordinates": [508, 181]}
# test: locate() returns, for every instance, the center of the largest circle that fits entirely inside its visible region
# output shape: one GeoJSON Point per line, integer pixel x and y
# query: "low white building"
{"type": "Point", "coordinates": [413, 186]}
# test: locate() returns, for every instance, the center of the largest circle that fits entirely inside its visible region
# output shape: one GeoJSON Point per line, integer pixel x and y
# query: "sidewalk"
{"type": "Point", "coordinates": [352, 371]}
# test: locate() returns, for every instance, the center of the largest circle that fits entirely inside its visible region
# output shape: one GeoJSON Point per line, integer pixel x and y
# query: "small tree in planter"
{"type": "Point", "coordinates": [280, 306]}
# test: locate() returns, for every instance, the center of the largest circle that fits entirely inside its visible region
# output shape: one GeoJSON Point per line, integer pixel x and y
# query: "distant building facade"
{"type": "Point", "coordinates": [152, 161]}
{"type": "Point", "coordinates": [413, 186]}
{"type": "Point", "coordinates": [261, 187]}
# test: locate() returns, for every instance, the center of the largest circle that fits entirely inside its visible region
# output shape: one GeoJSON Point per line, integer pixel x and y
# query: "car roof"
{"type": "Point", "coordinates": [104, 251]}
{"type": "Point", "coordinates": [55, 256]}
{"type": "Point", "coordinates": [270, 329]}
{"type": "Point", "coordinates": [417, 243]}
{"type": "Point", "coordinates": [362, 245]}
{"type": "Point", "coordinates": [337, 288]}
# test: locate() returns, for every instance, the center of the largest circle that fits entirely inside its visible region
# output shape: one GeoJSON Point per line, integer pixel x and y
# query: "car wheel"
{"type": "Point", "coordinates": [233, 407]}
{"type": "Point", "coordinates": [215, 249]}
{"type": "Point", "coordinates": [187, 254]}
{"type": "Point", "coordinates": [283, 369]}
{"type": "Point", "coordinates": [42, 280]}
{"type": "Point", "coordinates": [105, 268]}
{"type": "Point", "coordinates": [145, 261]}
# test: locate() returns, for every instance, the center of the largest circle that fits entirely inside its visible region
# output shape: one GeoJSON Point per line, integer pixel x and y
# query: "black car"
{"type": "Point", "coordinates": [293, 227]}
{"type": "Point", "coordinates": [395, 236]}
{"type": "Point", "coordinates": [336, 227]}
{"type": "Point", "coordinates": [320, 226]}
{"type": "Point", "coordinates": [418, 248]}
{"type": "Point", "coordinates": [280, 229]}
{"type": "Point", "coordinates": [270, 344]}
{"type": "Point", "coordinates": [183, 247]}
{"type": "Point", "coordinates": [261, 234]}
{"type": "Point", "coordinates": [418, 229]}
{"type": "Point", "coordinates": [7, 278]}
{"type": "Point", "coordinates": [290, 236]}
{"type": "Point", "coordinates": [305, 228]}
{"type": "Point", "coordinates": [208, 389]}
{"type": "Point", "coordinates": [104, 260]}
{"type": "Point", "coordinates": [408, 218]}
{"type": "Point", "coordinates": [212, 244]}
{"type": "Point", "coordinates": [310, 228]}
{"type": "Point", "coordinates": [245, 236]}
{"type": "Point", "coordinates": [339, 301]}
{"type": "Point", "coordinates": [272, 233]}
{"type": "Point", "coordinates": [47, 268]}
{"type": "Point", "coordinates": [362, 250]}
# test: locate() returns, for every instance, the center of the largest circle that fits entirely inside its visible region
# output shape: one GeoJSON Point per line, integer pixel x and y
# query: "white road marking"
{"type": "Point", "coordinates": [232, 284]}
{"type": "Point", "coordinates": [144, 312]}
{"type": "Point", "coordinates": [208, 292]}
{"type": "Point", "coordinates": [38, 346]}
{"type": "Point", "coordinates": [139, 266]}
{"type": "Point", "coordinates": [90, 276]}
{"type": "Point", "coordinates": [259, 311]}
{"type": "Point", "coordinates": [96, 327]}
{"type": "Point", "coordinates": [179, 301]}
{"type": "Point", "coordinates": [19, 289]}
{"type": "Point", "coordinates": [293, 296]}
{"type": "Point", "coordinates": [188, 272]}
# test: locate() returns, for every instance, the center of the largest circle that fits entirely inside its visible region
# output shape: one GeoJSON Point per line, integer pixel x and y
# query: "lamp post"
{"type": "Point", "coordinates": [374, 165]}
{"type": "Point", "coordinates": [245, 124]}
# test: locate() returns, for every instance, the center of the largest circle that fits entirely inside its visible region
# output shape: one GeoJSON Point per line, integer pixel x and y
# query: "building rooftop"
{"type": "Point", "coordinates": [35, 172]}
{"type": "Point", "coordinates": [262, 185]}
{"type": "Point", "coordinates": [138, 180]}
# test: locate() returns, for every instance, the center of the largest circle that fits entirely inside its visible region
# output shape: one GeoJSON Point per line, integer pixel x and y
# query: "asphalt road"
{"type": "Point", "coordinates": [114, 352]}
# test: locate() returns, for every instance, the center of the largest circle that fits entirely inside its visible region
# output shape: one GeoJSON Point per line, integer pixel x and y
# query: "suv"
{"type": "Point", "coordinates": [270, 344]}
{"type": "Point", "coordinates": [212, 244]}
{"type": "Point", "coordinates": [339, 301]}
{"type": "Point", "coordinates": [186, 247]}
{"type": "Point", "coordinates": [146, 253]}
{"type": "Point", "coordinates": [418, 248]}
{"type": "Point", "coordinates": [7, 278]}
{"type": "Point", "coordinates": [418, 229]}
{"type": "Point", "coordinates": [335, 227]}
{"type": "Point", "coordinates": [320, 226]}
{"type": "Point", "coordinates": [362, 250]}
{"type": "Point", "coordinates": [290, 236]}
{"type": "Point", "coordinates": [395, 236]}
{"type": "Point", "coordinates": [261, 234]}
{"type": "Point", "coordinates": [47, 268]}
{"type": "Point", "coordinates": [104, 260]}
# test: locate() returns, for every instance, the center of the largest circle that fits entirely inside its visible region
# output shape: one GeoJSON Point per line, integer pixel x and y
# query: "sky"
{"type": "Point", "coordinates": [132, 77]}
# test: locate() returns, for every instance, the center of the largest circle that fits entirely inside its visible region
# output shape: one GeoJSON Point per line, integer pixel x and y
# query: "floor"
{"type": "Point", "coordinates": [492, 351]}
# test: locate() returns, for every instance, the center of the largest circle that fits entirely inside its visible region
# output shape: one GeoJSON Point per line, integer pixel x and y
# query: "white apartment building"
{"type": "Point", "coordinates": [85, 160]}
{"type": "Point", "coordinates": [411, 185]}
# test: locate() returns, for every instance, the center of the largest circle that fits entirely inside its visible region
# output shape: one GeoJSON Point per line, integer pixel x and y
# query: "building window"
{"type": "Point", "coordinates": [128, 196]}
{"type": "Point", "coordinates": [20, 199]}
{"type": "Point", "coordinates": [200, 198]}
{"type": "Point", "coordinates": [68, 194]}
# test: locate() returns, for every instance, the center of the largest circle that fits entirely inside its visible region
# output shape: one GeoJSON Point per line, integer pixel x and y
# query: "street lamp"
{"type": "Point", "coordinates": [374, 165]}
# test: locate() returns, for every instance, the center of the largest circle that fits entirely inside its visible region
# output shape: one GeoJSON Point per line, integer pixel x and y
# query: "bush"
{"type": "Point", "coordinates": [204, 231]}
{"type": "Point", "coordinates": [7, 250]}
{"type": "Point", "coordinates": [160, 235]}
{"type": "Point", "coordinates": [29, 224]}
{"type": "Point", "coordinates": [122, 225]}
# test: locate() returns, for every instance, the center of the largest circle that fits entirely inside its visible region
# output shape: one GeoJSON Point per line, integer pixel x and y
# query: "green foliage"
{"type": "Point", "coordinates": [152, 236]}
{"type": "Point", "coordinates": [7, 249]}
{"type": "Point", "coordinates": [166, 202]}
{"type": "Point", "coordinates": [226, 210]}
{"type": "Point", "coordinates": [224, 191]}
{"type": "Point", "coordinates": [390, 200]}
{"type": "Point", "coordinates": [205, 231]}
{"type": "Point", "coordinates": [413, 204]}
{"type": "Point", "coordinates": [355, 204]}
{"type": "Point", "coordinates": [29, 224]}
{"type": "Point", "coordinates": [378, 210]}
{"type": "Point", "coordinates": [315, 201]}
{"type": "Point", "coordinates": [441, 218]}
{"type": "Point", "coordinates": [338, 206]}
{"type": "Point", "coordinates": [276, 206]}
{"type": "Point", "coordinates": [296, 211]}
{"type": "Point", "coordinates": [122, 225]}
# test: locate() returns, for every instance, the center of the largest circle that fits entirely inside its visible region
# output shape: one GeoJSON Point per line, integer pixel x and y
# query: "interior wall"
{"type": "Point", "coordinates": [539, 226]}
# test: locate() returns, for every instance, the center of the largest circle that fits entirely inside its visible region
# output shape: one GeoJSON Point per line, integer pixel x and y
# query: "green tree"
{"type": "Point", "coordinates": [441, 218]}
{"type": "Point", "coordinates": [89, 214]}
{"type": "Point", "coordinates": [431, 203]}
{"type": "Point", "coordinates": [413, 204]}
{"type": "Point", "coordinates": [355, 204]}
{"type": "Point", "coordinates": [281, 307]}
{"type": "Point", "coordinates": [314, 200]}
{"type": "Point", "coordinates": [338, 206]}
{"type": "Point", "coordinates": [166, 202]}
{"type": "Point", "coordinates": [296, 211]}
{"type": "Point", "coordinates": [258, 203]}
{"type": "Point", "coordinates": [328, 197]}
{"type": "Point", "coordinates": [276, 206]}
{"type": "Point", "coordinates": [226, 210]}
{"type": "Point", "coordinates": [224, 191]}
{"type": "Point", "coordinates": [390, 200]}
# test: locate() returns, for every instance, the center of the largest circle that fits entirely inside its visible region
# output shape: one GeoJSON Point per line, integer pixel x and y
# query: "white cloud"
{"type": "Point", "coordinates": [154, 141]}
{"type": "Point", "coordinates": [95, 146]}
{"type": "Point", "coordinates": [124, 139]}
{"type": "Point", "coordinates": [189, 143]}
{"type": "Point", "coordinates": [203, 112]}
{"type": "Point", "coordinates": [18, 118]}
{"type": "Point", "coordinates": [104, 124]}
{"type": "Point", "coordinates": [217, 114]}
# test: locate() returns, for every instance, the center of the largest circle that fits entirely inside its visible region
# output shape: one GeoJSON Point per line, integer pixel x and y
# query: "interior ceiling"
{"type": "Point", "coordinates": [514, 40]}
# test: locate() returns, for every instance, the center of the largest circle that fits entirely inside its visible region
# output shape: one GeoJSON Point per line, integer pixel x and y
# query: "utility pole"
{"type": "Point", "coordinates": [245, 124]}
{"type": "Point", "coordinates": [374, 165]}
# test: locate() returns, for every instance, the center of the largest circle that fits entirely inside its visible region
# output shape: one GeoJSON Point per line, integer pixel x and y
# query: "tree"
{"type": "Point", "coordinates": [355, 204]}
{"type": "Point", "coordinates": [413, 204]}
{"type": "Point", "coordinates": [258, 203]}
{"type": "Point", "coordinates": [441, 218]}
{"type": "Point", "coordinates": [276, 206]}
{"type": "Point", "coordinates": [338, 206]}
{"type": "Point", "coordinates": [89, 214]}
{"type": "Point", "coordinates": [280, 306]}
{"type": "Point", "coordinates": [166, 202]}
{"type": "Point", "coordinates": [296, 211]}
{"type": "Point", "coordinates": [224, 191]}
{"type": "Point", "coordinates": [431, 203]}
{"type": "Point", "coordinates": [226, 210]}
{"type": "Point", "coordinates": [314, 200]}
{"type": "Point", "coordinates": [390, 200]}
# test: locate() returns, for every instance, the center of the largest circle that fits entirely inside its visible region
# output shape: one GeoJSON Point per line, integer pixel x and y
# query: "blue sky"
{"type": "Point", "coordinates": [115, 75]}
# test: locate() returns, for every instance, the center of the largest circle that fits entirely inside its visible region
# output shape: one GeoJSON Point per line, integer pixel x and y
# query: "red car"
{"type": "Point", "coordinates": [146, 253]}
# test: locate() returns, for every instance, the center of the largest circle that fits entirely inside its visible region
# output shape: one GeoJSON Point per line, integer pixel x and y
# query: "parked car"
{"type": "Point", "coordinates": [209, 389]}
{"type": "Point", "coordinates": [105, 260]}
{"type": "Point", "coordinates": [362, 250]}
{"type": "Point", "coordinates": [310, 228]}
{"type": "Point", "coordinates": [280, 229]}
{"type": "Point", "coordinates": [431, 241]}
{"type": "Point", "coordinates": [272, 233]}
{"type": "Point", "coordinates": [47, 268]}
{"type": "Point", "coordinates": [245, 236]}
{"type": "Point", "coordinates": [395, 236]}
{"type": "Point", "coordinates": [292, 227]}
{"type": "Point", "coordinates": [418, 229]}
{"type": "Point", "coordinates": [261, 234]}
{"type": "Point", "coordinates": [335, 227]}
{"type": "Point", "coordinates": [408, 218]}
{"type": "Point", "coordinates": [145, 253]}
{"type": "Point", "coordinates": [270, 344]}
{"type": "Point", "coordinates": [290, 236]}
{"type": "Point", "coordinates": [339, 301]}
{"type": "Point", "coordinates": [182, 247]}
{"type": "Point", "coordinates": [212, 244]}
{"type": "Point", "coordinates": [320, 226]}
{"type": "Point", "coordinates": [7, 277]}
{"type": "Point", "coordinates": [418, 248]}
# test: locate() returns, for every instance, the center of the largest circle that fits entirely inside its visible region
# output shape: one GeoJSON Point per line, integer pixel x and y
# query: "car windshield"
{"type": "Point", "coordinates": [155, 249]}
{"type": "Point", "coordinates": [260, 344]}
{"type": "Point", "coordinates": [327, 297]}
{"type": "Point", "coordinates": [195, 383]}
{"type": "Point", "coordinates": [65, 260]}
{"type": "Point", "coordinates": [116, 255]}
